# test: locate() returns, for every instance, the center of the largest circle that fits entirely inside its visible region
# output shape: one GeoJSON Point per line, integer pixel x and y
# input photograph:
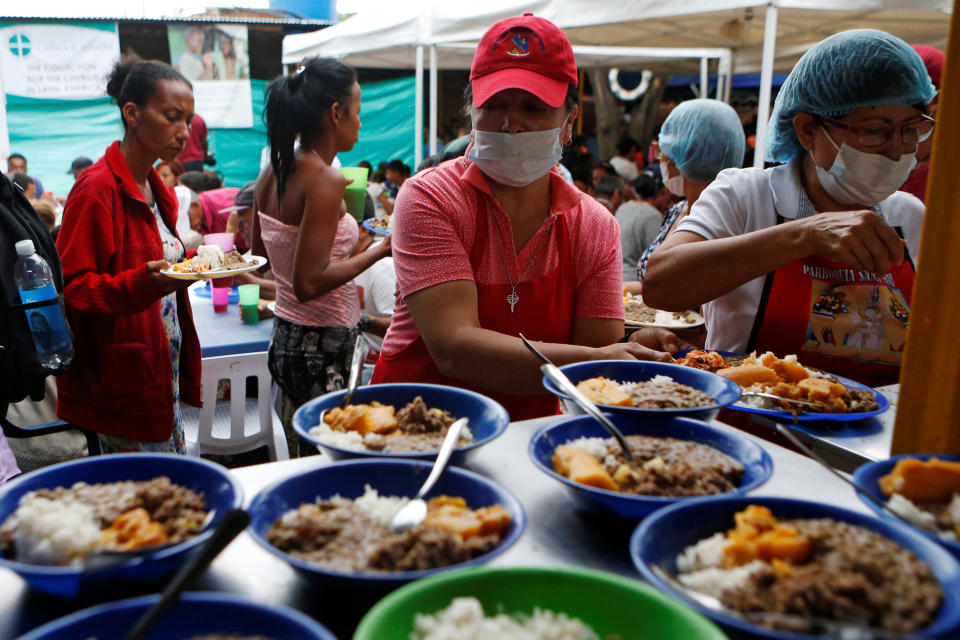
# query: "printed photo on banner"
{"type": "Point", "coordinates": [215, 59]}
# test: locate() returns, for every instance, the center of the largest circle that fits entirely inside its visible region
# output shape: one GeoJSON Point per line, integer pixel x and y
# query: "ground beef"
{"type": "Point", "coordinates": [661, 392]}
{"type": "Point", "coordinates": [180, 510]}
{"type": "Point", "coordinates": [688, 468]}
{"type": "Point", "coordinates": [853, 575]}
{"type": "Point", "coordinates": [416, 417]}
{"type": "Point", "coordinates": [177, 508]}
{"type": "Point", "coordinates": [336, 534]}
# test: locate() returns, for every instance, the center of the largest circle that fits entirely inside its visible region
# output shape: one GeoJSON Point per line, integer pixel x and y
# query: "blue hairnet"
{"type": "Point", "coordinates": [848, 70]}
{"type": "Point", "coordinates": [702, 137]}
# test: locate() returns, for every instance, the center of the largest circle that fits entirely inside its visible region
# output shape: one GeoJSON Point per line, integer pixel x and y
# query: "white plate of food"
{"type": "Point", "coordinates": [212, 263]}
{"type": "Point", "coordinates": [637, 314]}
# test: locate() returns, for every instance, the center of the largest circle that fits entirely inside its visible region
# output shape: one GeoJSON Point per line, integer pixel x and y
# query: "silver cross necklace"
{"type": "Point", "coordinates": [513, 298]}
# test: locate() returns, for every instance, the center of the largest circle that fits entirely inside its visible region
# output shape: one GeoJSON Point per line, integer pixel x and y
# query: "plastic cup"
{"type": "Point", "coordinates": [220, 297]}
{"type": "Point", "coordinates": [249, 297]}
{"type": "Point", "coordinates": [222, 240]}
{"type": "Point", "coordinates": [355, 195]}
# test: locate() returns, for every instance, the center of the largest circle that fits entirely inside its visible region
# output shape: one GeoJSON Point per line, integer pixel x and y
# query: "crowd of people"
{"type": "Point", "coordinates": [518, 230]}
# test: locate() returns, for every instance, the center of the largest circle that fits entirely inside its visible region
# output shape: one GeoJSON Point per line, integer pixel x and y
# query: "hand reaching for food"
{"type": "Point", "coordinates": [630, 351]}
{"type": "Point", "coordinates": [660, 339]}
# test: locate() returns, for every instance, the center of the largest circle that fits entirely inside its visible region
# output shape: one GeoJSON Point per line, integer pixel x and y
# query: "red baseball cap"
{"type": "Point", "coordinates": [526, 53]}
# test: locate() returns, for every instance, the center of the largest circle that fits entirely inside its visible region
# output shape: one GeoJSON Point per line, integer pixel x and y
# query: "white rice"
{"type": "Point", "coordinates": [343, 439]}
{"type": "Point", "coordinates": [705, 554]}
{"type": "Point", "coordinates": [464, 620]}
{"type": "Point", "coordinates": [714, 581]}
{"type": "Point", "coordinates": [596, 447]}
{"type": "Point", "coordinates": [54, 532]}
{"type": "Point", "coordinates": [379, 508]}
{"type": "Point", "coordinates": [922, 519]}
{"type": "Point", "coordinates": [660, 379]}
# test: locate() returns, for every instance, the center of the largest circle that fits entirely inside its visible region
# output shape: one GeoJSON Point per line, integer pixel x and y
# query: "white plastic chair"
{"type": "Point", "coordinates": [242, 424]}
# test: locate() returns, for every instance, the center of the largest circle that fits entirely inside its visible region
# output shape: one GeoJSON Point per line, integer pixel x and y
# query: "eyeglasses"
{"type": "Point", "coordinates": [881, 134]}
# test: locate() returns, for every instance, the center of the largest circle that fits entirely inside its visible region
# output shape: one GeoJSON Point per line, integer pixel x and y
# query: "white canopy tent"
{"type": "Point", "coordinates": [656, 31]}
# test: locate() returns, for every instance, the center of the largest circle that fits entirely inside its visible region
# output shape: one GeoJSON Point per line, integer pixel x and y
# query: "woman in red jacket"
{"type": "Point", "coordinates": [137, 352]}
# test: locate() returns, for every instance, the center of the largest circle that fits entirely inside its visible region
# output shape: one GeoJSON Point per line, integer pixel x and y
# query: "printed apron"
{"type": "Point", "coordinates": [836, 318]}
{"type": "Point", "coordinates": [544, 312]}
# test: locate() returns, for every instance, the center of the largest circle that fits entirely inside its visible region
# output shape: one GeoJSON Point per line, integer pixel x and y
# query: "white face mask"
{"type": "Point", "coordinates": [516, 159]}
{"type": "Point", "coordinates": [857, 177]}
{"type": "Point", "coordinates": [675, 184]}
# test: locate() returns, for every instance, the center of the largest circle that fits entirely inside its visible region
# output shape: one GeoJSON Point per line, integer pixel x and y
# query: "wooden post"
{"type": "Point", "coordinates": [928, 414]}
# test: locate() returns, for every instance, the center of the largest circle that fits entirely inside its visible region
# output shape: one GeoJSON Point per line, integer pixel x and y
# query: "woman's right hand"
{"type": "Point", "coordinates": [629, 351]}
{"type": "Point", "coordinates": [861, 239]}
{"type": "Point", "coordinates": [165, 283]}
{"type": "Point", "coordinates": [386, 247]}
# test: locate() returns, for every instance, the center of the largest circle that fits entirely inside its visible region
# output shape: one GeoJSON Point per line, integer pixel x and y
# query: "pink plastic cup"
{"type": "Point", "coordinates": [221, 296]}
{"type": "Point", "coordinates": [222, 240]}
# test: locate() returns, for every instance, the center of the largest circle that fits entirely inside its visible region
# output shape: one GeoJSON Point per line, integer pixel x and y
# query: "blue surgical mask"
{"type": "Point", "coordinates": [516, 159]}
{"type": "Point", "coordinates": [857, 177]}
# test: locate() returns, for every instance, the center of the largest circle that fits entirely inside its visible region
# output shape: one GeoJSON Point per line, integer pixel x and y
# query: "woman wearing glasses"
{"type": "Point", "coordinates": [814, 257]}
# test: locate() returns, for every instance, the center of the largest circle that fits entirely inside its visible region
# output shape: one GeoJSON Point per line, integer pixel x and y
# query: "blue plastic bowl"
{"type": "Point", "coordinates": [724, 391]}
{"type": "Point", "coordinates": [488, 418]}
{"type": "Point", "coordinates": [867, 477]}
{"type": "Point", "coordinates": [220, 491]}
{"type": "Point", "coordinates": [388, 477]}
{"type": "Point", "coordinates": [194, 614]}
{"type": "Point", "coordinates": [756, 462]}
{"type": "Point", "coordinates": [665, 534]}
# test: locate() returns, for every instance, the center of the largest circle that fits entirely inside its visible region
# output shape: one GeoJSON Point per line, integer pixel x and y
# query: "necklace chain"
{"type": "Point", "coordinates": [513, 299]}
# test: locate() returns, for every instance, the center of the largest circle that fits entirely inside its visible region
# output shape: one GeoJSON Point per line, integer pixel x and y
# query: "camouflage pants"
{"type": "Point", "coordinates": [307, 362]}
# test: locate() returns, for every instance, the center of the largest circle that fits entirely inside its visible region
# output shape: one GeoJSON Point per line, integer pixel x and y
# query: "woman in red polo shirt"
{"type": "Point", "coordinates": [137, 352]}
{"type": "Point", "coordinates": [496, 243]}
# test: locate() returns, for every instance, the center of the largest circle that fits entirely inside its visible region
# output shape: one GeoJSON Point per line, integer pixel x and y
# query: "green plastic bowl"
{"type": "Point", "coordinates": [607, 603]}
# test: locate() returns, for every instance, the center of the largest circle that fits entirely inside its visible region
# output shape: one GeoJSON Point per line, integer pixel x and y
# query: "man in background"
{"type": "Point", "coordinates": [640, 222]}
{"type": "Point", "coordinates": [624, 163]}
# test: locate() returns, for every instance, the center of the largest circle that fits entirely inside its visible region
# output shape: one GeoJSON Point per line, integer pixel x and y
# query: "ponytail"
{"type": "Point", "coordinates": [295, 106]}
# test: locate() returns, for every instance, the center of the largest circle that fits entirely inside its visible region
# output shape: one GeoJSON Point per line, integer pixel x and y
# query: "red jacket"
{"type": "Point", "coordinates": [121, 379]}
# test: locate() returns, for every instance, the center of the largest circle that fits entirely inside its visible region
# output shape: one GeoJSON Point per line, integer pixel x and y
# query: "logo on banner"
{"type": "Point", "coordinates": [19, 45]}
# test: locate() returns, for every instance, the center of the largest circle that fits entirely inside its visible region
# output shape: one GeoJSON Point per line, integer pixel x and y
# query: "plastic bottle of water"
{"type": "Point", "coordinates": [51, 334]}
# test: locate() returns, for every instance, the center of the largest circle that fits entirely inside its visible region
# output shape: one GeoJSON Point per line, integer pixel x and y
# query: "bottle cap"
{"type": "Point", "coordinates": [25, 248]}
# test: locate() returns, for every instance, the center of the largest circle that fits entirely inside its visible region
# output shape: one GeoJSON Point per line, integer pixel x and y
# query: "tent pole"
{"type": "Point", "coordinates": [433, 99]}
{"type": "Point", "coordinates": [418, 110]}
{"type": "Point", "coordinates": [766, 81]}
{"type": "Point", "coordinates": [704, 78]}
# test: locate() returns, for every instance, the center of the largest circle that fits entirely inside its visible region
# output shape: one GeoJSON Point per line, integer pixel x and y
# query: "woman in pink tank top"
{"type": "Point", "coordinates": [307, 237]}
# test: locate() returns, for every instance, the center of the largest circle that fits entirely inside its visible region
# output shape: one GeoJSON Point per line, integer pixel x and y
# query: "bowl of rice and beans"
{"type": "Point", "coordinates": [331, 524]}
{"type": "Point", "coordinates": [923, 488]}
{"type": "Point", "coordinates": [635, 387]}
{"type": "Point", "coordinates": [53, 517]}
{"type": "Point", "coordinates": [803, 559]}
{"type": "Point", "coordinates": [399, 421]}
{"type": "Point", "coordinates": [674, 459]}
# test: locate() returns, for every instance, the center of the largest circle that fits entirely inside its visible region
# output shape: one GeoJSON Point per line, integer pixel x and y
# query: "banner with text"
{"type": "Point", "coordinates": [214, 58]}
{"type": "Point", "coordinates": [57, 61]}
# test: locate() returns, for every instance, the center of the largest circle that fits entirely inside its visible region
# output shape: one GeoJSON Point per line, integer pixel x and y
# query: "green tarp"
{"type": "Point", "coordinates": [51, 133]}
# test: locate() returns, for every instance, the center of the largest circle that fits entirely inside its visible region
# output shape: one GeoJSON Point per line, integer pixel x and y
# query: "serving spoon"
{"type": "Point", "coordinates": [557, 377]}
{"type": "Point", "coordinates": [789, 435]}
{"type": "Point", "coordinates": [360, 349]}
{"type": "Point", "coordinates": [770, 396]}
{"type": "Point", "coordinates": [415, 512]}
{"type": "Point", "coordinates": [786, 621]}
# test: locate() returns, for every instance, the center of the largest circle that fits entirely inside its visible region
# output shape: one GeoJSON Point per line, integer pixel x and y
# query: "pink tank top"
{"type": "Point", "coordinates": [338, 308]}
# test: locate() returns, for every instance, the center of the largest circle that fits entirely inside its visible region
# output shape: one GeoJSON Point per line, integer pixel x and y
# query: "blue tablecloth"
{"type": "Point", "coordinates": [224, 334]}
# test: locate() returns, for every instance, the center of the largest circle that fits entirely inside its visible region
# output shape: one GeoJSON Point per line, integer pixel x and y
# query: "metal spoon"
{"type": "Point", "coordinates": [554, 375]}
{"type": "Point", "coordinates": [233, 522]}
{"type": "Point", "coordinates": [788, 434]}
{"type": "Point", "coordinates": [360, 349]}
{"type": "Point", "coordinates": [770, 396]}
{"type": "Point", "coordinates": [414, 512]}
{"type": "Point", "coordinates": [100, 559]}
{"type": "Point", "coordinates": [784, 621]}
